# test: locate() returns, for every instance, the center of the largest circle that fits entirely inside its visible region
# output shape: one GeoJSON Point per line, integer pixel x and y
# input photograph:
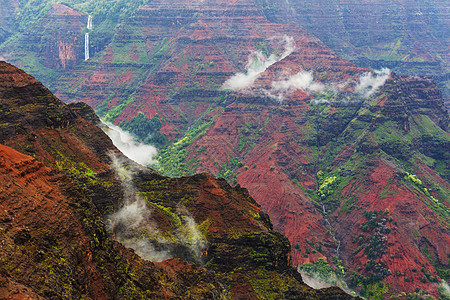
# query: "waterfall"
{"type": "Point", "coordinates": [86, 38]}
{"type": "Point", "coordinates": [86, 46]}
{"type": "Point", "coordinates": [330, 231]}
{"type": "Point", "coordinates": [89, 22]}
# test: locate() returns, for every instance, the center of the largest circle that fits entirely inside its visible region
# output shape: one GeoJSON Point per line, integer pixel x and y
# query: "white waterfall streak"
{"type": "Point", "coordinates": [86, 38]}
{"type": "Point", "coordinates": [89, 23]}
{"type": "Point", "coordinates": [86, 46]}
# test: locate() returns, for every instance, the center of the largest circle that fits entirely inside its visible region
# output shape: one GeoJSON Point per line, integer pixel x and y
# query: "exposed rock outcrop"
{"type": "Point", "coordinates": [309, 134]}
{"type": "Point", "coordinates": [53, 206]}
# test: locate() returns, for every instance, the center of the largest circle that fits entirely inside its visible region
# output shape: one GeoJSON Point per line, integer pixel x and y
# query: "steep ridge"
{"type": "Point", "coordinates": [54, 244]}
{"type": "Point", "coordinates": [36, 123]}
{"type": "Point", "coordinates": [299, 135]}
{"type": "Point", "coordinates": [189, 55]}
{"type": "Point", "coordinates": [7, 12]}
{"type": "Point", "coordinates": [198, 45]}
{"type": "Point", "coordinates": [264, 146]}
{"type": "Point", "coordinates": [56, 241]}
{"type": "Point", "coordinates": [406, 36]}
{"type": "Point", "coordinates": [54, 44]}
{"type": "Point", "coordinates": [372, 23]}
{"type": "Point", "coordinates": [402, 227]}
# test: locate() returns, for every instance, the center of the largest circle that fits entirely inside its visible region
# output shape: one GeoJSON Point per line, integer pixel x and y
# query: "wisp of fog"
{"type": "Point", "coordinates": [256, 65]}
{"type": "Point", "coordinates": [370, 82]}
{"type": "Point", "coordinates": [139, 152]}
{"type": "Point", "coordinates": [133, 226]}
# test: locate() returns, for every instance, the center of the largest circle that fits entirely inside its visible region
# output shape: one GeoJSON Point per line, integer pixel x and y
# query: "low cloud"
{"type": "Point", "coordinates": [320, 101]}
{"type": "Point", "coordinates": [444, 288]}
{"type": "Point", "coordinates": [366, 85]}
{"type": "Point", "coordinates": [312, 281]}
{"type": "Point", "coordinates": [133, 226]}
{"type": "Point", "coordinates": [189, 234]}
{"type": "Point", "coordinates": [257, 64]}
{"type": "Point", "coordinates": [370, 82]}
{"type": "Point", "coordinates": [139, 152]}
{"type": "Point", "coordinates": [301, 80]}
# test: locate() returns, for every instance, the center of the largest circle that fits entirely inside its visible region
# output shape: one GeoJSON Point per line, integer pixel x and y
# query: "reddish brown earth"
{"type": "Point", "coordinates": [37, 123]}
{"type": "Point", "coordinates": [277, 144]}
{"type": "Point", "coordinates": [160, 62]}
{"type": "Point", "coordinates": [56, 41]}
{"type": "Point", "coordinates": [50, 249]}
{"type": "Point", "coordinates": [54, 242]}
{"type": "Point", "coordinates": [413, 219]}
{"type": "Point", "coordinates": [226, 41]}
{"type": "Point", "coordinates": [352, 25]}
{"type": "Point", "coordinates": [409, 37]}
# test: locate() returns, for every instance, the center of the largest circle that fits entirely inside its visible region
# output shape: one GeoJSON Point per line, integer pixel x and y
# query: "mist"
{"type": "Point", "coordinates": [370, 82]}
{"type": "Point", "coordinates": [301, 80]}
{"type": "Point", "coordinates": [133, 226]}
{"type": "Point", "coordinates": [320, 101]}
{"type": "Point", "coordinates": [444, 288]}
{"type": "Point", "coordinates": [312, 281]}
{"type": "Point", "coordinates": [190, 235]}
{"type": "Point", "coordinates": [139, 152]}
{"type": "Point", "coordinates": [257, 64]}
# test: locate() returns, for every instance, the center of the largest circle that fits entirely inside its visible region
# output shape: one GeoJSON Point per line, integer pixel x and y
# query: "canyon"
{"type": "Point", "coordinates": [60, 186]}
{"type": "Point", "coordinates": [406, 36]}
{"type": "Point", "coordinates": [350, 164]}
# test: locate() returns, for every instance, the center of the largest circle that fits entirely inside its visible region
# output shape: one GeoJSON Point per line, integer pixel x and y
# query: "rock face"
{"type": "Point", "coordinates": [189, 55]}
{"type": "Point", "coordinates": [349, 164]}
{"type": "Point", "coordinates": [406, 36]}
{"type": "Point", "coordinates": [55, 243]}
{"type": "Point", "coordinates": [299, 157]}
{"type": "Point", "coordinates": [298, 135]}
{"type": "Point", "coordinates": [53, 44]}
{"type": "Point", "coordinates": [7, 11]}
{"type": "Point", "coordinates": [356, 168]}
{"type": "Point", "coordinates": [371, 23]}
{"type": "Point", "coordinates": [65, 48]}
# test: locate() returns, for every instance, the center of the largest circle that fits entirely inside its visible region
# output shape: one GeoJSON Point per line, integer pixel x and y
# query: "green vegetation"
{"type": "Point", "coordinates": [321, 270]}
{"type": "Point", "coordinates": [172, 159]}
{"type": "Point", "coordinates": [229, 170]}
{"type": "Point", "coordinates": [145, 129]}
{"type": "Point", "coordinates": [431, 201]}
{"type": "Point", "coordinates": [443, 272]}
{"type": "Point", "coordinates": [101, 10]}
{"type": "Point", "coordinates": [130, 53]}
{"type": "Point", "coordinates": [430, 142]}
{"type": "Point", "coordinates": [416, 295]}
{"type": "Point", "coordinates": [330, 186]}
{"type": "Point", "coordinates": [376, 290]}
{"type": "Point", "coordinates": [327, 185]}
{"type": "Point", "coordinates": [373, 242]}
{"type": "Point", "coordinates": [113, 113]}
{"type": "Point", "coordinates": [263, 283]}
